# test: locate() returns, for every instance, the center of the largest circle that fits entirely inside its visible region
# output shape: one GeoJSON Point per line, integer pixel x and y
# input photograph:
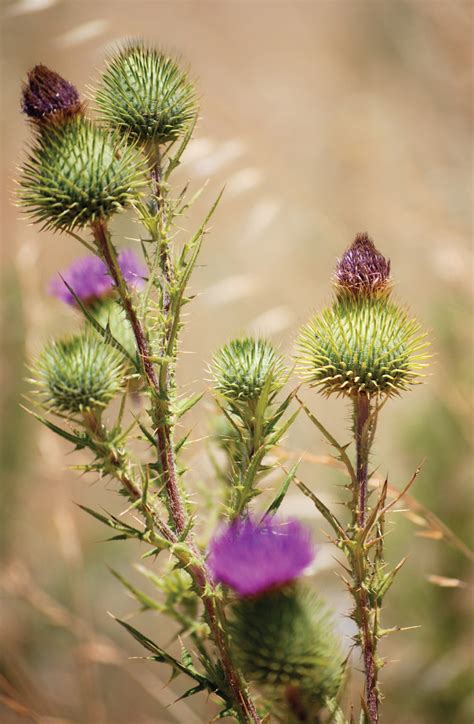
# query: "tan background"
{"type": "Point", "coordinates": [324, 118]}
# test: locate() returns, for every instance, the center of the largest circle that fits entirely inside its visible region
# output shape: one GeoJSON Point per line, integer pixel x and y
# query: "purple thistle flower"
{"type": "Point", "coordinates": [47, 94]}
{"type": "Point", "coordinates": [90, 280]}
{"type": "Point", "coordinates": [362, 270]}
{"type": "Point", "coordinates": [253, 557]}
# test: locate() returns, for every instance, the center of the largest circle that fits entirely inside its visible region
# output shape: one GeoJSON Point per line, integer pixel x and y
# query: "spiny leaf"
{"type": "Point", "coordinates": [145, 601]}
{"type": "Point", "coordinates": [278, 500]}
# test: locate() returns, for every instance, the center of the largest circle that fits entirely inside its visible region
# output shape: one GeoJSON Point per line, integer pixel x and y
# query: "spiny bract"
{"type": "Point", "coordinates": [146, 93]}
{"type": "Point", "coordinates": [77, 173]}
{"type": "Point", "coordinates": [242, 368]}
{"type": "Point", "coordinates": [367, 346]}
{"type": "Point", "coordinates": [78, 373]}
{"type": "Point", "coordinates": [110, 314]}
{"type": "Point", "coordinates": [284, 641]}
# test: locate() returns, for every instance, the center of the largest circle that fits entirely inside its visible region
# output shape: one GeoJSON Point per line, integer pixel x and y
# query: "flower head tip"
{"type": "Point", "coordinates": [362, 270]}
{"type": "Point", "coordinates": [47, 96]}
{"type": "Point", "coordinates": [253, 557]}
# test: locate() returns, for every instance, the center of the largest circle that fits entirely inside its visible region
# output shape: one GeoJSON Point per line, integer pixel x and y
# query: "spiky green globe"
{"type": "Point", "coordinates": [78, 173]}
{"type": "Point", "coordinates": [78, 373]}
{"type": "Point", "coordinates": [284, 643]}
{"type": "Point", "coordinates": [145, 93]}
{"type": "Point", "coordinates": [242, 368]}
{"type": "Point", "coordinates": [367, 345]}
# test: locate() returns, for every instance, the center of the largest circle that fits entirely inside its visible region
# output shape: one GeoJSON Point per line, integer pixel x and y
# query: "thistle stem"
{"type": "Point", "coordinates": [361, 415]}
{"type": "Point", "coordinates": [215, 614]}
{"type": "Point", "coordinates": [366, 613]}
{"type": "Point", "coordinates": [160, 406]}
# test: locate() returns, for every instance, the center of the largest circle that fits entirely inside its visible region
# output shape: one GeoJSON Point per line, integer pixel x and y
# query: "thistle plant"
{"type": "Point", "coordinates": [254, 634]}
{"type": "Point", "coordinates": [365, 348]}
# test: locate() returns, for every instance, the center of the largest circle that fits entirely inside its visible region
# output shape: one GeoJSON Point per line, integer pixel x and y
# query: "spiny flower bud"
{"type": "Point", "coordinates": [253, 557]}
{"type": "Point", "coordinates": [242, 368]}
{"type": "Point", "coordinates": [49, 98]}
{"type": "Point", "coordinates": [90, 281]}
{"type": "Point", "coordinates": [78, 373]}
{"type": "Point", "coordinates": [284, 642]}
{"type": "Point", "coordinates": [146, 94]}
{"type": "Point", "coordinates": [362, 270]}
{"type": "Point", "coordinates": [369, 345]}
{"type": "Point", "coordinates": [77, 174]}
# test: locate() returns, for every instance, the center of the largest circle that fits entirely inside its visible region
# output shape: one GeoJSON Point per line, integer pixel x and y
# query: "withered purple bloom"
{"type": "Point", "coordinates": [47, 95]}
{"type": "Point", "coordinates": [362, 270]}
{"type": "Point", "coordinates": [90, 280]}
{"type": "Point", "coordinates": [253, 557]}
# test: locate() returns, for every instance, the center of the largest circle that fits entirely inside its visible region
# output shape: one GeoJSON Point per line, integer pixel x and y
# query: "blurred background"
{"type": "Point", "coordinates": [323, 118]}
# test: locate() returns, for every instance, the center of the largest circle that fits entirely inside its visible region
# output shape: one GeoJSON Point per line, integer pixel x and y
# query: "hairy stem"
{"type": "Point", "coordinates": [160, 406]}
{"type": "Point", "coordinates": [366, 614]}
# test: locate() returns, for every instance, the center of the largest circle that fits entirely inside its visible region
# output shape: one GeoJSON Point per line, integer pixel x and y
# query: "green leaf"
{"type": "Point", "coordinates": [278, 500]}
{"type": "Point", "coordinates": [79, 441]}
{"type": "Point", "coordinates": [104, 332]}
{"type": "Point", "coordinates": [323, 509]}
{"type": "Point", "coordinates": [176, 159]}
{"type": "Point", "coordinates": [185, 405]}
{"type": "Point", "coordinates": [145, 601]}
{"type": "Point", "coordinates": [162, 656]}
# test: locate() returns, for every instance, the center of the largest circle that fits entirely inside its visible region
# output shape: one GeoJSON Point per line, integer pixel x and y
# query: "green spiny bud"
{"type": "Point", "coordinates": [146, 94]}
{"type": "Point", "coordinates": [362, 345]}
{"type": "Point", "coordinates": [78, 373]}
{"type": "Point", "coordinates": [244, 367]}
{"type": "Point", "coordinates": [77, 174]}
{"type": "Point", "coordinates": [284, 643]}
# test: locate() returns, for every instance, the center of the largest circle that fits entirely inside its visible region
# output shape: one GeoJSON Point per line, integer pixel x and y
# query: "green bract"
{"type": "Point", "coordinates": [110, 314]}
{"type": "Point", "coordinates": [284, 642]}
{"type": "Point", "coordinates": [78, 373]}
{"type": "Point", "coordinates": [77, 173]}
{"type": "Point", "coordinates": [242, 368]}
{"type": "Point", "coordinates": [362, 346]}
{"type": "Point", "coordinates": [145, 93]}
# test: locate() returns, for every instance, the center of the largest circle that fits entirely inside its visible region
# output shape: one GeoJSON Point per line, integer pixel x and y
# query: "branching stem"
{"type": "Point", "coordinates": [214, 611]}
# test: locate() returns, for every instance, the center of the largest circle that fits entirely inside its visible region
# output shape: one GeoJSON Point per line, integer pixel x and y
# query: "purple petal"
{"type": "Point", "coordinates": [90, 280]}
{"type": "Point", "coordinates": [253, 557]}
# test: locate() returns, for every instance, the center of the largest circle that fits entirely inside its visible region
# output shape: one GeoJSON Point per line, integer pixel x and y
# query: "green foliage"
{"type": "Point", "coordinates": [284, 643]}
{"type": "Point", "coordinates": [77, 173]}
{"type": "Point", "coordinates": [146, 94]}
{"type": "Point", "coordinates": [78, 373]}
{"type": "Point", "coordinates": [367, 345]}
{"type": "Point", "coordinates": [110, 315]}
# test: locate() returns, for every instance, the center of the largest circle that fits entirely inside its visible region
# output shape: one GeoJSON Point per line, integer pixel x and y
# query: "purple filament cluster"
{"type": "Point", "coordinates": [90, 280]}
{"type": "Point", "coordinates": [362, 269]}
{"type": "Point", "coordinates": [47, 93]}
{"type": "Point", "coordinates": [253, 557]}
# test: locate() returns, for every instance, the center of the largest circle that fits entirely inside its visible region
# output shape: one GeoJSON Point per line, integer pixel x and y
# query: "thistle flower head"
{"type": "Point", "coordinates": [367, 346]}
{"type": "Point", "coordinates": [146, 94]}
{"type": "Point", "coordinates": [47, 97]}
{"type": "Point", "coordinates": [284, 642]}
{"type": "Point", "coordinates": [78, 373]}
{"type": "Point", "coordinates": [362, 270]}
{"type": "Point", "coordinates": [88, 277]}
{"type": "Point", "coordinates": [253, 557]}
{"type": "Point", "coordinates": [244, 367]}
{"type": "Point", "coordinates": [77, 174]}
